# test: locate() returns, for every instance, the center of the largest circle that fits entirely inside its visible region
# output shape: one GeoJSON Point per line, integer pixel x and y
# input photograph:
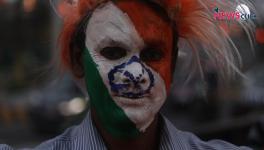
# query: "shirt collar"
{"type": "Point", "coordinates": [173, 136]}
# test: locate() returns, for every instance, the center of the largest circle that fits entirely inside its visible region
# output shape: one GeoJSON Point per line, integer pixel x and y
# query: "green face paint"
{"type": "Point", "coordinates": [111, 116]}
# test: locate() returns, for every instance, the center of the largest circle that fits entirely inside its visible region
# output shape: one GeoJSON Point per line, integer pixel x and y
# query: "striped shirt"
{"type": "Point", "coordinates": [86, 137]}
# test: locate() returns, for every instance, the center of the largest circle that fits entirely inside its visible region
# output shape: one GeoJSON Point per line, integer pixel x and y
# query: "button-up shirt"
{"type": "Point", "coordinates": [86, 137]}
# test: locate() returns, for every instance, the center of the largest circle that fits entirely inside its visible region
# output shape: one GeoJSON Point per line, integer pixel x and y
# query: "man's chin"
{"type": "Point", "coordinates": [142, 117]}
{"type": "Point", "coordinates": [141, 111]}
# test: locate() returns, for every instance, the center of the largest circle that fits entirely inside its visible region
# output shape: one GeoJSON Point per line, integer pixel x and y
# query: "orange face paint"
{"type": "Point", "coordinates": [155, 31]}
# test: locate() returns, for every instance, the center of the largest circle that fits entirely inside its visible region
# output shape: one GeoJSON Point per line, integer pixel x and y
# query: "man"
{"type": "Point", "coordinates": [123, 53]}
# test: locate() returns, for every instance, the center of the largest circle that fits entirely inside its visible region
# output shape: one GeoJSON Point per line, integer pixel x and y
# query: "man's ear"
{"type": "Point", "coordinates": [175, 50]}
{"type": "Point", "coordinates": [77, 62]}
{"type": "Point", "coordinates": [80, 82]}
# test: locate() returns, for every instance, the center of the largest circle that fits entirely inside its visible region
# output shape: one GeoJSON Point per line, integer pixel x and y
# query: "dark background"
{"type": "Point", "coordinates": [37, 103]}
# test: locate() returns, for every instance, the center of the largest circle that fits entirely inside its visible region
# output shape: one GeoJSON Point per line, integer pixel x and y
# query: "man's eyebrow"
{"type": "Point", "coordinates": [114, 42]}
{"type": "Point", "coordinates": [159, 9]}
{"type": "Point", "coordinates": [153, 43]}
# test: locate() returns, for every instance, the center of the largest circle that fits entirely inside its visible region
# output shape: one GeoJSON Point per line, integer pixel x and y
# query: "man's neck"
{"type": "Point", "coordinates": [149, 140]}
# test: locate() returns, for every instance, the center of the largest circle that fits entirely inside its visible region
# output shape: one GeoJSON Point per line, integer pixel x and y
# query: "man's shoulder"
{"type": "Point", "coordinates": [81, 137]}
{"type": "Point", "coordinates": [189, 141]}
{"type": "Point", "coordinates": [63, 141]}
{"type": "Point", "coordinates": [5, 147]}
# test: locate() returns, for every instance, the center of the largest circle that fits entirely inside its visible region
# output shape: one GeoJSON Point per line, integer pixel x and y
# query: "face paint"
{"type": "Point", "coordinates": [125, 92]}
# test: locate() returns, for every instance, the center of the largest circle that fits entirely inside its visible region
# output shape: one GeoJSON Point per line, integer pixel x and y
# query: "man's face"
{"type": "Point", "coordinates": [131, 45]}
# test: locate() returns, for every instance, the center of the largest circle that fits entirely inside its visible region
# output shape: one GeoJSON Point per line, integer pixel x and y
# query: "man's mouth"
{"type": "Point", "coordinates": [131, 95]}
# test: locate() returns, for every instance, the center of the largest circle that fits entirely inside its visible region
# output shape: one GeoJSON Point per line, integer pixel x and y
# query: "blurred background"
{"type": "Point", "coordinates": [36, 104]}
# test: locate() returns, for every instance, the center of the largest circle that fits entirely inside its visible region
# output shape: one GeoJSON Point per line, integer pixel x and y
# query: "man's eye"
{"type": "Point", "coordinates": [150, 54]}
{"type": "Point", "coordinates": [113, 53]}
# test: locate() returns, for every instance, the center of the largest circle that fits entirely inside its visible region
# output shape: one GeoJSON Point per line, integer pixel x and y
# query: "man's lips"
{"type": "Point", "coordinates": [131, 95]}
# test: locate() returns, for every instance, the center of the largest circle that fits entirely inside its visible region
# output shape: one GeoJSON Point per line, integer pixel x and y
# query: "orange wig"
{"type": "Point", "coordinates": [194, 23]}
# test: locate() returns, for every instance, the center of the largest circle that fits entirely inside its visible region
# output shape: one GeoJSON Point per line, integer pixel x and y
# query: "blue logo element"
{"type": "Point", "coordinates": [127, 84]}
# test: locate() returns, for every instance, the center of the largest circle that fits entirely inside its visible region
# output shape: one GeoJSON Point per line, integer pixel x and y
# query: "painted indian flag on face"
{"type": "Point", "coordinates": [127, 64]}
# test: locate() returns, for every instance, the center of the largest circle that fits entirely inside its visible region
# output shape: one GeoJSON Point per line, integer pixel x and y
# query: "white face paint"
{"type": "Point", "coordinates": [143, 91]}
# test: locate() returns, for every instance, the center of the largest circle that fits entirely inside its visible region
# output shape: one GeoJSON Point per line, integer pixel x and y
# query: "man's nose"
{"type": "Point", "coordinates": [135, 76]}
